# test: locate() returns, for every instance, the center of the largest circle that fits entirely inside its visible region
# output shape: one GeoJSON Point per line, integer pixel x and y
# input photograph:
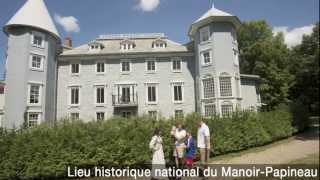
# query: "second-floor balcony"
{"type": "Point", "coordinates": [126, 100]}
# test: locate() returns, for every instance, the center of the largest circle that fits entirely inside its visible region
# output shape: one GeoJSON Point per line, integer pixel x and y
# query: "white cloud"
{"type": "Point", "coordinates": [293, 36]}
{"type": "Point", "coordinates": [148, 5]}
{"type": "Point", "coordinates": [69, 23]}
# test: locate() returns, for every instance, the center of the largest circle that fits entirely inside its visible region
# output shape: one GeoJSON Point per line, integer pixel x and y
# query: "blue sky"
{"type": "Point", "coordinates": [86, 19]}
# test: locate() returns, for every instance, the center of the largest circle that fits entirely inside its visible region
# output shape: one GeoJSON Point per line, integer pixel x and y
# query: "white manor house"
{"type": "Point", "coordinates": [121, 74]}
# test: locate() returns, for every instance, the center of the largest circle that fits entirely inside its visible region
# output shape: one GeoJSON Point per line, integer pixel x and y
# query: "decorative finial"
{"type": "Point", "coordinates": [212, 4]}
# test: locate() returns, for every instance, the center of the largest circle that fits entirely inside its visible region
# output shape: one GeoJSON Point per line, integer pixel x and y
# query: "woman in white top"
{"type": "Point", "coordinates": [180, 134]}
{"type": "Point", "coordinates": [158, 161]}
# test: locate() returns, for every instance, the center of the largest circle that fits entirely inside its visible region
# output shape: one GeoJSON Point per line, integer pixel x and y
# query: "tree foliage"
{"type": "Point", "coordinates": [286, 74]}
{"type": "Point", "coordinates": [304, 65]}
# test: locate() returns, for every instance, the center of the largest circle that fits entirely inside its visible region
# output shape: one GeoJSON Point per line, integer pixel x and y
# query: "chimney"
{"type": "Point", "coordinates": [68, 42]}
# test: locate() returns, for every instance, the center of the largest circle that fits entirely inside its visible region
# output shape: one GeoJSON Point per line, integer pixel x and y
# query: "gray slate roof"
{"type": "Point", "coordinates": [143, 44]}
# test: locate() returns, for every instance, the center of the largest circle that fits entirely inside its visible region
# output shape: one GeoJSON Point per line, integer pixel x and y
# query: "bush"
{"type": "Point", "coordinates": [45, 151]}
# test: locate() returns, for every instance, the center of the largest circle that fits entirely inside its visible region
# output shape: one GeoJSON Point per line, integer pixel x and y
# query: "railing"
{"type": "Point", "coordinates": [125, 100]}
{"type": "Point", "coordinates": [132, 36]}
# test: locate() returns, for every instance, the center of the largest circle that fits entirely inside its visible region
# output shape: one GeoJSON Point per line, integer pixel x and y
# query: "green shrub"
{"type": "Point", "coordinates": [46, 151]}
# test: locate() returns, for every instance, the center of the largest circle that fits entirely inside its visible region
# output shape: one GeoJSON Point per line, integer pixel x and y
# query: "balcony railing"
{"type": "Point", "coordinates": [125, 100]}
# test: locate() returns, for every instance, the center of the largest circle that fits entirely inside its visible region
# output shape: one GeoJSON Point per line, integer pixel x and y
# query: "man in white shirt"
{"type": "Point", "coordinates": [203, 142]}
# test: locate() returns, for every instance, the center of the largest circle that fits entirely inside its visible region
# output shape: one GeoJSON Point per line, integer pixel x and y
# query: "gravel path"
{"type": "Point", "coordinates": [300, 147]}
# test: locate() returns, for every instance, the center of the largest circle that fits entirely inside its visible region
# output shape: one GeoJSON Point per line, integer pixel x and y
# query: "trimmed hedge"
{"type": "Point", "coordinates": [46, 151]}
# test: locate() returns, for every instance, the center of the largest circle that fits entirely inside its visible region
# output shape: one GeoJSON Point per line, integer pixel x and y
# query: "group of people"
{"type": "Point", "coordinates": [184, 146]}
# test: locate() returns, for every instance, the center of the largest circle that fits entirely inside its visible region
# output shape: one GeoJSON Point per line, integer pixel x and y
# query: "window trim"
{"type": "Point", "coordinates": [226, 75]}
{"type": "Point", "coordinates": [40, 93]}
{"type": "Point", "coordinates": [176, 59]}
{"type": "Point", "coordinates": [209, 104]}
{"type": "Point", "coordinates": [130, 66]}
{"type": "Point", "coordinates": [214, 87]}
{"type": "Point", "coordinates": [41, 62]}
{"type": "Point", "coordinates": [104, 66]}
{"type": "Point", "coordinates": [75, 74]}
{"type": "Point", "coordinates": [226, 103]}
{"type": "Point", "coordinates": [155, 65]}
{"type": "Point", "coordinates": [69, 95]}
{"type": "Point", "coordinates": [96, 115]}
{"type": "Point", "coordinates": [96, 86]}
{"type": "Point", "coordinates": [147, 85]}
{"type": "Point", "coordinates": [35, 33]}
{"type": "Point", "coordinates": [203, 60]}
{"type": "Point", "coordinates": [173, 84]}
{"type": "Point", "coordinates": [38, 120]}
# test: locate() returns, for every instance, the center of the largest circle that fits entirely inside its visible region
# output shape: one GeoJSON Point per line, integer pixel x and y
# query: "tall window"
{"type": "Point", "coordinates": [75, 69]}
{"type": "Point", "coordinates": [151, 65]}
{"type": "Point", "coordinates": [205, 34]}
{"type": "Point", "coordinates": [226, 109]}
{"type": "Point", "coordinates": [176, 65]}
{"type": "Point", "coordinates": [34, 94]}
{"type": "Point", "coordinates": [100, 95]}
{"type": "Point", "coordinates": [237, 85]}
{"type": "Point", "coordinates": [100, 67]}
{"type": "Point", "coordinates": [125, 66]}
{"type": "Point", "coordinates": [225, 86]}
{"type": "Point", "coordinates": [209, 110]}
{"type": "Point", "coordinates": [177, 93]}
{"type": "Point", "coordinates": [206, 58]}
{"type": "Point", "coordinates": [152, 93]}
{"type": "Point", "coordinates": [100, 116]}
{"type": "Point", "coordinates": [208, 88]}
{"type": "Point", "coordinates": [75, 97]}
{"type": "Point", "coordinates": [36, 62]}
{"type": "Point", "coordinates": [33, 119]}
{"type": "Point", "coordinates": [37, 40]}
{"type": "Point", "coordinates": [236, 57]}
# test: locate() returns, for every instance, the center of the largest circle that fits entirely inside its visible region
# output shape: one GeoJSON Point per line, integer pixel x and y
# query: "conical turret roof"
{"type": "Point", "coordinates": [216, 15]}
{"type": "Point", "coordinates": [33, 13]}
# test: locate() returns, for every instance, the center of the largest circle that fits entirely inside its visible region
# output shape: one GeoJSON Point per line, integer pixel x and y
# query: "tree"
{"type": "Point", "coordinates": [266, 55]}
{"type": "Point", "coordinates": [304, 66]}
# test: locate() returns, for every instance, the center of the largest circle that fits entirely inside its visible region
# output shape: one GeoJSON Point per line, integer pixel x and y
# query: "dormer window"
{"type": "Point", "coordinates": [126, 45]}
{"type": "Point", "coordinates": [159, 44]}
{"type": "Point", "coordinates": [95, 46]}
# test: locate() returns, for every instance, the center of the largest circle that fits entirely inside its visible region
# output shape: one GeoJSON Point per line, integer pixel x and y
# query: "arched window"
{"type": "Point", "coordinates": [225, 85]}
{"type": "Point", "coordinates": [226, 108]}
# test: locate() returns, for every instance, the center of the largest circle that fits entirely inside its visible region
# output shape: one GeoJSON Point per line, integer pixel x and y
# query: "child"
{"type": "Point", "coordinates": [190, 150]}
